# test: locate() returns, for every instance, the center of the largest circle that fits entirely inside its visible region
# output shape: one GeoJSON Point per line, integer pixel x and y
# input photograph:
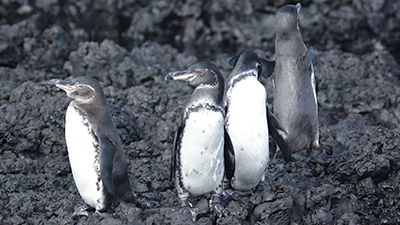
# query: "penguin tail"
{"type": "Point", "coordinates": [126, 195]}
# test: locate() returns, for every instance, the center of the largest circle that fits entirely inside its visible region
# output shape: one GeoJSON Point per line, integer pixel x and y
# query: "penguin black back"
{"type": "Point", "coordinates": [295, 101]}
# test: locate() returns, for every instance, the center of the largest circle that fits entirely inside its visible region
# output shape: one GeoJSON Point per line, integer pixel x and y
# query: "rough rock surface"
{"type": "Point", "coordinates": [130, 45]}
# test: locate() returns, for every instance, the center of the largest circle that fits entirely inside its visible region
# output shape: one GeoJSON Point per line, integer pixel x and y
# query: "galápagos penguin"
{"type": "Point", "coordinates": [295, 99]}
{"type": "Point", "coordinates": [200, 140]}
{"type": "Point", "coordinates": [98, 163]}
{"type": "Point", "coordinates": [249, 121]}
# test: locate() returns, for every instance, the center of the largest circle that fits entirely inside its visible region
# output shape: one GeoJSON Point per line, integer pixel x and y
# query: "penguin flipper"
{"type": "Point", "coordinates": [309, 56]}
{"type": "Point", "coordinates": [114, 170]}
{"type": "Point", "coordinates": [267, 67]}
{"type": "Point", "coordinates": [120, 176]}
{"type": "Point", "coordinates": [279, 135]}
{"type": "Point", "coordinates": [174, 152]}
{"type": "Point", "coordinates": [229, 156]}
{"type": "Point", "coordinates": [106, 158]}
{"type": "Point", "coordinates": [233, 60]}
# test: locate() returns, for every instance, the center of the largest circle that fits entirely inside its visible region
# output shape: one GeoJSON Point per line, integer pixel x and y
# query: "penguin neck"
{"type": "Point", "coordinates": [237, 76]}
{"type": "Point", "coordinates": [206, 94]}
{"type": "Point", "coordinates": [93, 112]}
{"type": "Point", "coordinates": [99, 119]}
{"type": "Point", "coordinates": [289, 43]}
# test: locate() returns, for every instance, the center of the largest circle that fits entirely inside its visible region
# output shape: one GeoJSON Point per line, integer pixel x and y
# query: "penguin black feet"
{"type": "Point", "coordinates": [302, 155]}
{"type": "Point", "coordinates": [193, 210]}
{"type": "Point", "coordinates": [82, 211]}
{"type": "Point", "coordinates": [216, 206]}
{"type": "Point", "coordinates": [226, 195]}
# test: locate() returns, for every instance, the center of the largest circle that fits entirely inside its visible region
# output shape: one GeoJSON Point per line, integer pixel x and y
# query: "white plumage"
{"type": "Point", "coordinates": [201, 153]}
{"type": "Point", "coordinates": [248, 129]}
{"type": "Point", "coordinates": [83, 155]}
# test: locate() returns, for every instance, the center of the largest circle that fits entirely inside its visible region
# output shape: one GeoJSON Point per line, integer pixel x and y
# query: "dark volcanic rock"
{"type": "Point", "coordinates": [207, 27]}
{"type": "Point", "coordinates": [353, 179]}
{"type": "Point", "coordinates": [382, 17]}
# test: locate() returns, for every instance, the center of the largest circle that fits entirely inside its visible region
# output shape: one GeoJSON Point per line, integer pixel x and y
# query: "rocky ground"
{"type": "Point", "coordinates": [130, 45]}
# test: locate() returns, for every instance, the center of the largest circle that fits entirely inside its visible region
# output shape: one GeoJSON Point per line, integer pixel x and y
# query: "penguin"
{"type": "Point", "coordinates": [98, 163]}
{"type": "Point", "coordinates": [295, 99]}
{"type": "Point", "coordinates": [201, 143]}
{"type": "Point", "coordinates": [249, 121]}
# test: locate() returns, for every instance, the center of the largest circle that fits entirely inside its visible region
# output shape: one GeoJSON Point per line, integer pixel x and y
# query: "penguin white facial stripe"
{"type": "Point", "coordinates": [83, 100]}
{"type": "Point", "coordinates": [66, 88]}
{"type": "Point", "coordinates": [83, 157]}
{"type": "Point", "coordinates": [201, 152]}
{"type": "Point", "coordinates": [72, 89]}
{"type": "Point", "coordinates": [207, 85]}
{"type": "Point", "coordinates": [246, 120]}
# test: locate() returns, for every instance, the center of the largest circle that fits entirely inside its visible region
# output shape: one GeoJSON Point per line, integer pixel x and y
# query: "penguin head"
{"type": "Point", "coordinates": [249, 61]}
{"type": "Point", "coordinates": [83, 90]}
{"type": "Point", "coordinates": [198, 74]}
{"type": "Point", "coordinates": [287, 18]}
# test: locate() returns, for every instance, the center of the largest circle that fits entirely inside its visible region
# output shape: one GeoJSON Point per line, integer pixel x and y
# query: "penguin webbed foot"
{"type": "Point", "coordinates": [192, 209]}
{"type": "Point", "coordinates": [82, 211]}
{"type": "Point", "coordinates": [226, 195]}
{"type": "Point", "coordinates": [301, 155]}
{"type": "Point", "coordinates": [186, 204]}
{"type": "Point", "coordinates": [135, 204]}
{"type": "Point", "coordinates": [215, 204]}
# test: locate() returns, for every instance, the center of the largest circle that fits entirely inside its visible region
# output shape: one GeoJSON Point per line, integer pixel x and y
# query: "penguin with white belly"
{"type": "Point", "coordinates": [249, 121]}
{"type": "Point", "coordinates": [200, 140]}
{"type": "Point", "coordinates": [98, 163]}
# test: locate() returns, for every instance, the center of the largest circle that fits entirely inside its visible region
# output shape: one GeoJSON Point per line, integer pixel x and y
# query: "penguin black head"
{"type": "Point", "coordinates": [287, 18]}
{"type": "Point", "coordinates": [249, 61]}
{"type": "Point", "coordinates": [83, 90]}
{"type": "Point", "coordinates": [201, 73]}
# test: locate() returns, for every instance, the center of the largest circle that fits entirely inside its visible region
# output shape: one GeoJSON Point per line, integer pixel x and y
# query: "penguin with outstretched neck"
{"type": "Point", "coordinates": [200, 140]}
{"type": "Point", "coordinates": [98, 163]}
{"type": "Point", "coordinates": [249, 122]}
{"type": "Point", "coordinates": [295, 99]}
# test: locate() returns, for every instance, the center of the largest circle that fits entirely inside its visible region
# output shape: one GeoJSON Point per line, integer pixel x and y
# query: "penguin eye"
{"type": "Point", "coordinates": [201, 72]}
{"type": "Point", "coordinates": [84, 91]}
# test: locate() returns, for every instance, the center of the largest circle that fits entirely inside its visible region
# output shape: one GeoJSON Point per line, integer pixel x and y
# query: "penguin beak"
{"type": "Point", "coordinates": [181, 75]}
{"type": "Point", "coordinates": [63, 86]}
{"type": "Point", "coordinates": [67, 88]}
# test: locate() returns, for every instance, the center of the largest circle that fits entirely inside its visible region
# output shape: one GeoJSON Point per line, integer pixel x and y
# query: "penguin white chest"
{"type": "Point", "coordinates": [248, 129]}
{"type": "Point", "coordinates": [83, 153]}
{"type": "Point", "coordinates": [201, 152]}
